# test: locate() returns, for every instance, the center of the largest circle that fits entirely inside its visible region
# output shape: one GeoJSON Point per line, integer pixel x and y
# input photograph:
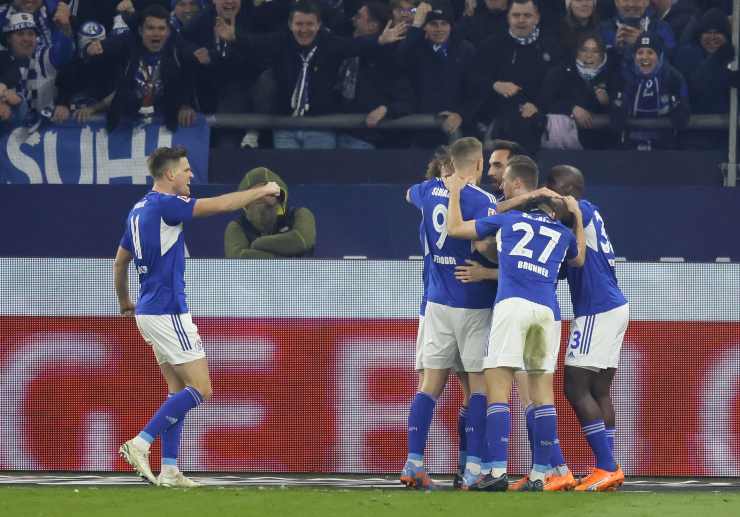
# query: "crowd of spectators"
{"type": "Point", "coordinates": [533, 71]}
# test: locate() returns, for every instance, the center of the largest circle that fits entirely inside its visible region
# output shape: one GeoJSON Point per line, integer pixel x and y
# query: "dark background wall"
{"type": "Point", "coordinates": [698, 223]}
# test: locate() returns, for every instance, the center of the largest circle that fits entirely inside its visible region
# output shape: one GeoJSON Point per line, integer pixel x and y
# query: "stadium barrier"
{"type": "Point", "coordinates": [312, 370]}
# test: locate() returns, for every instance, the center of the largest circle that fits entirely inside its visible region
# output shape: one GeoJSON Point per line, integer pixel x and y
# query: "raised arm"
{"type": "Point", "coordinates": [523, 199]}
{"type": "Point", "coordinates": [574, 209]}
{"type": "Point", "coordinates": [234, 200]}
{"type": "Point", "coordinates": [456, 227]}
{"type": "Point", "coordinates": [120, 281]}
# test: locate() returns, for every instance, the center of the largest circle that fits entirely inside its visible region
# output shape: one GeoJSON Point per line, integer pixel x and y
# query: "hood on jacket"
{"type": "Point", "coordinates": [713, 19]}
{"type": "Point", "coordinates": [260, 175]}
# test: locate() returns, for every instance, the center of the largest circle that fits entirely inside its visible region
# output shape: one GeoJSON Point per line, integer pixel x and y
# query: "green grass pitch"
{"type": "Point", "coordinates": [306, 502]}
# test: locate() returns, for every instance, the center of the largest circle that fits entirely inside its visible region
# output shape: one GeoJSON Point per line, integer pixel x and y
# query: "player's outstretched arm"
{"type": "Point", "coordinates": [456, 227]}
{"type": "Point", "coordinates": [475, 272]}
{"type": "Point", "coordinates": [234, 200]}
{"type": "Point", "coordinates": [572, 204]}
{"type": "Point", "coordinates": [120, 281]}
{"type": "Point", "coordinates": [523, 199]}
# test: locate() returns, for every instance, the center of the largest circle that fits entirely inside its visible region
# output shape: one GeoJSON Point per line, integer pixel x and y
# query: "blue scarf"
{"type": "Point", "coordinates": [588, 73]}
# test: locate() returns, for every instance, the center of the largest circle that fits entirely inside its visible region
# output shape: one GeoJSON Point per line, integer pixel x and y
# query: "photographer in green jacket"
{"type": "Point", "coordinates": [270, 228]}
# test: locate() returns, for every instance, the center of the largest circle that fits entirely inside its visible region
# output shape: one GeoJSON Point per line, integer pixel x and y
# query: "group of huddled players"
{"type": "Point", "coordinates": [490, 313]}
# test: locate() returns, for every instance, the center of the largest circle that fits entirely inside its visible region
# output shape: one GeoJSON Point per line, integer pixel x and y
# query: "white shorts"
{"type": "Point", "coordinates": [419, 363]}
{"type": "Point", "coordinates": [596, 340]}
{"type": "Point", "coordinates": [524, 336]}
{"type": "Point", "coordinates": [454, 337]}
{"type": "Point", "coordinates": [173, 337]}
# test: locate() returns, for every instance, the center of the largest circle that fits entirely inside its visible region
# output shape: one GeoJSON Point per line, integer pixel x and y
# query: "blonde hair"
{"type": "Point", "coordinates": [465, 152]}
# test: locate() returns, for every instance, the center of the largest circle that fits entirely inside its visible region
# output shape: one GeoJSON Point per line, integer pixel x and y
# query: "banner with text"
{"type": "Point", "coordinates": [88, 154]}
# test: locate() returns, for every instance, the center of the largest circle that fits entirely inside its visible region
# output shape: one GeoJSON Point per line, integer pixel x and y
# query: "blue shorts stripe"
{"type": "Point", "coordinates": [185, 334]}
{"type": "Point", "coordinates": [177, 331]}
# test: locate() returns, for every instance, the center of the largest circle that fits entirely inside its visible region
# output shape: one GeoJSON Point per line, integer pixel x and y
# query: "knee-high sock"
{"type": "Point", "coordinates": [171, 437]}
{"type": "Point", "coordinates": [529, 420]}
{"type": "Point", "coordinates": [610, 433]}
{"type": "Point", "coordinates": [498, 429]}
{"type": "Point", "coordinates": [420, 419]}
{"type": "Point", "coordinates": [556, 457]}
{"type": "Point", "coordinates": [463, 447]}
{"type": "Point", "coordinates": [475, 430]}
{"type": "Point", "coordinates": [596, 437]}
{"type": "Point", "coordinates": [545, 422]}
{"type": "Point", "coordinates": [172, 410]}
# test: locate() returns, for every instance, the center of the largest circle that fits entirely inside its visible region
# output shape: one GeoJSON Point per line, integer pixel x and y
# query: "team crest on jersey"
{"type": "Point", "coordinates": [184, 198]}
{"type": "Point", "coordinates": [491, 211]}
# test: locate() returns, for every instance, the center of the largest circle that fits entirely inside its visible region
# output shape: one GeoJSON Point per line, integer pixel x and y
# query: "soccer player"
{"type": "Point", "coordinates": [440, 166]}
{"type": "Point", "coordinates": [601, 317]}
{"type": "Point", "coordinates": [561, 478]}
{"type": "Point", "coordinates": [458, 315]}
{"type": "Point", "coordinates": [154, 241]}
{"type": "Point", "coordinates": [525, 332]}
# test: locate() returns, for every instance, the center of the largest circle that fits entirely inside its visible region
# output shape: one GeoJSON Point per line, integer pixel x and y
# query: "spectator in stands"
{"type": "Point", "coordinates": [486, 20]}
{"type": "Point", "coordinates": [371, 85]}
{"type": "Point", "coordinates": [85, 88]}
{"type": "Point", "coordinates": [12, 107]}
{"type": "Point", "coordinates": [703, 62]}
{"type": "Point", "coordinates": [512, 70]}
{"type": "Point", "coordinates": [183, 11]}
{"type": "Point", "coordinates": [580, 18]}
{"type": "Point", "coordinates": [225, 81]}
{"type": "Point", "coordinates": [651, 88]}
{"type": "Point", "coordinates": [633, 18]}
{"type": "Point", "coordinates": [270, 228]}
{"type": "Point", "coordinates": [155, 75]}
{"type": "Point", "coordinates": [305, 61]}
{"type": "Point", "coordinates": [402, 11]}
{"type": "Point", "coordinates": [578, 89]}
{"type": "Point", "coordinates": [37, 65]}
{"type": "Point", "coordinates": [43, 12]}
{"type": "Point", "coordinates": [439, 65]}
{"type": "Point", "coordinates": [676, 13]}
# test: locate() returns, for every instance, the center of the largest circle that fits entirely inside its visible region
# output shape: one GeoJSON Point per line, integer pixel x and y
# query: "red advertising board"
{"type": "Point", "coordinates": [332, 395]}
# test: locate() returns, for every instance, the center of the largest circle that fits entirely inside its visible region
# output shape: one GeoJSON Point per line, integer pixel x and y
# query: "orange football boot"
{"type": "Point", "coordinates": [558, 483]}
{"type": "Point", "coordinates": [601, 480]}
{"type": "Point", "coordinates": [518, 485]}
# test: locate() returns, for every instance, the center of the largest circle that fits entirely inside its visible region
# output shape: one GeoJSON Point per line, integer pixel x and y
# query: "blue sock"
{"type": "Point", "coordinates": [475, 428]}
{"type": "Point", "coordinates": [420, 419]}
{"type": "Point", "coordinates": [498, 428]}
{"type": "Point", "coordinates": [556, 458]}
{"type": "Point", "coordinates": [545, 423]}
{"type": "Point", "coordinates": [172, 410]}
{"type": "Point", "coordinates": [529, 419]}
{"type": "Point", "coordinates": [610, 433]}
{"type": "Point", "coordinates": [171, 440]}
{"type": "Point", "coordinates": [596, 436]}
{"type": "Point", "coordinates": [463, 449]}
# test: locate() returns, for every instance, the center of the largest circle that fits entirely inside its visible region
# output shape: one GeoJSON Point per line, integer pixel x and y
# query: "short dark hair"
{"type": "Point", "coordinates": [525, 169]}
{"type": "Point", "coordinates": [379, 12]}
{"type": "Point", "coordinates": [583, 38]}
{"type": "Point", "coordinates": [154, 11]}
{"type": "Point", "coordinates": [535, 2]}
{"type": "Point", "coordinates": [506, 145]}
{"type": "Point", "coordinates": [305, 7]}
{"type": "Point", "coordinates": [162, 158]}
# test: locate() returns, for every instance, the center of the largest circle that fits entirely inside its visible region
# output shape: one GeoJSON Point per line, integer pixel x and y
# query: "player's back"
{"type": "Point", "coordinates": [531, 246]}
{"type": "Point", "coordinates": [594, 287]}
{"type": "Point", "coordinates": [154, 237]}
{"type": "Point", "coordinates": [445, 252]}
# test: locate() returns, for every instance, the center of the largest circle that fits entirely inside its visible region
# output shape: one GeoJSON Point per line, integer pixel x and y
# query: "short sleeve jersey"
{"type": "Point", "coordinates": [531, 248]}
{"type": "Point", "coordinates": [445, 252]}
{"type": "Point", "coordinates": [154, 237]}
{"type": "Point", "coordinates": [594, 287]}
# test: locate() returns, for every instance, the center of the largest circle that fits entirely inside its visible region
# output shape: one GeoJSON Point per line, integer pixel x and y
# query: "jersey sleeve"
{"type": "Point", "coordinates": [572, 251]}
{"type": "Point", "coordinates": [489, 225]}
{"type": "Point", "coordinates": [476, 205]}
{"type": "Point", "coordinates": [415, 195]}
{"type": "Point", "coordinates": [587, 212]}
{"type": "Point", "coordinates": [126, 240]}
{"type": "Point", "coordinates": [177, 209]}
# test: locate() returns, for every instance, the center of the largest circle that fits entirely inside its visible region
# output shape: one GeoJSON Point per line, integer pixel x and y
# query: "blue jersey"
{"type": "Point", "coordinates": [594, 287]}
{"type": "Point", "coordinates": [154, 237]}
{"type": "Point", "coordinates": [424, 268]}
{"type": "Point", "coordinates": [432, 197]}
{"type": "Point", "coordinates": [531, 248]}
